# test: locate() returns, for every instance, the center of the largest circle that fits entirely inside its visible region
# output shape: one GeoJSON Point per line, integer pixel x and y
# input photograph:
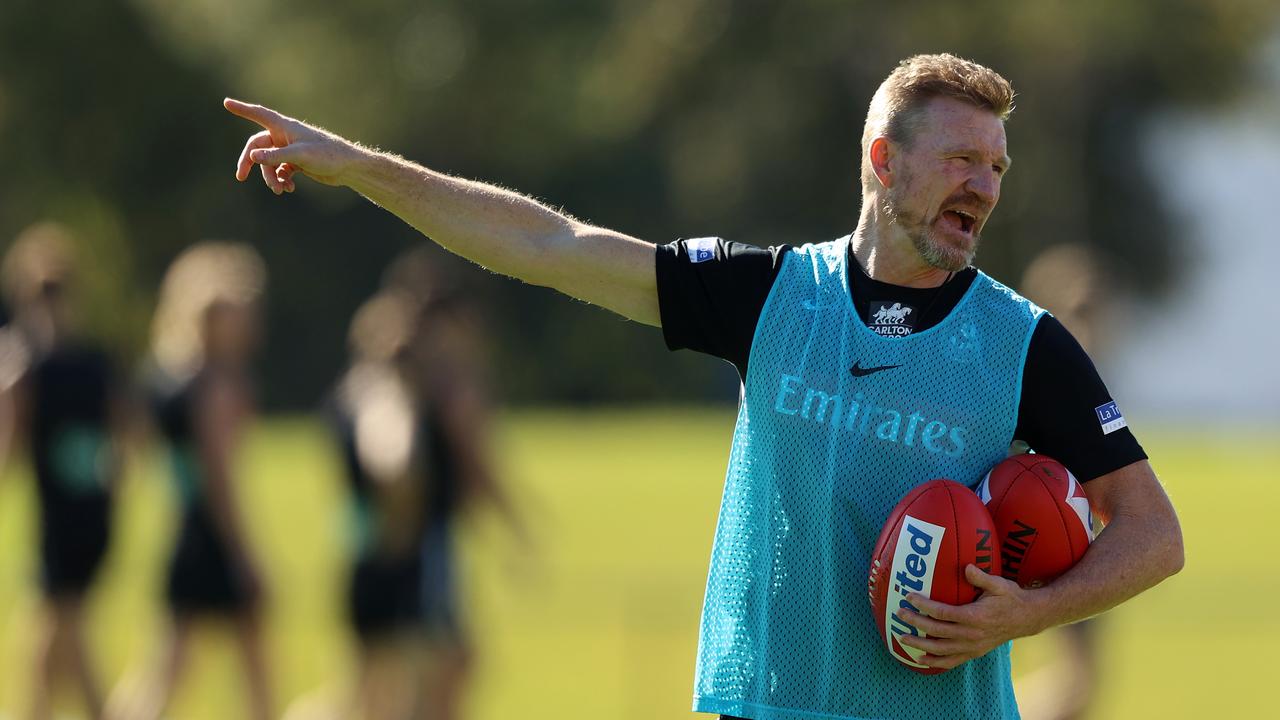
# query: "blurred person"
{"type": "Point", "coordinates": [410, 415]}
{"type": "Point", "coordinates": [447, 367]}
{"type": "Point", "coordinates": [1068, 281]}
{"type": "Point", "coordinates": [204, 334]}
{"type": "Point", "coordinates": [815, 331]}
{"type": "Point", "coordinates": [391, 468]}
{"type": "Point", "coordinates": [62, 401]}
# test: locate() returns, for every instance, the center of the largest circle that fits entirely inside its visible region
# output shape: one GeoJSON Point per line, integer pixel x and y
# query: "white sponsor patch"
{"type": "Point", "coordinates": [914, 556]}
{"type": "Point", "coordinates": [701, 249]}
{"type": "Point", "coordinates": [1110, 418]}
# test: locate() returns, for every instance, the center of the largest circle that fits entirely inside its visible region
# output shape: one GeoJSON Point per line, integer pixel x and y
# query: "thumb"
{"type": "Point", "coordinates": [273, 156]}
{"type": "Point", "coordinates": [985, 582]}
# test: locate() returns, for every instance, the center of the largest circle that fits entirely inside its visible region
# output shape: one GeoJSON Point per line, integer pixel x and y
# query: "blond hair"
{"type": "Point", "coordinates": [206, 274]}
{"type": "Point", "coordinates": [42, 254]}
{"type": "Point", "coordinates": [383, 326]}
{"type": "Point", "coordinates": [895, 108]}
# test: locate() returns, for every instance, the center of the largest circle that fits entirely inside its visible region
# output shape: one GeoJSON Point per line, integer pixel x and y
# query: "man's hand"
{"type": "Point", "coordinates": [960, 633]}
{"type": "Point", "coordinates": [287, 146]}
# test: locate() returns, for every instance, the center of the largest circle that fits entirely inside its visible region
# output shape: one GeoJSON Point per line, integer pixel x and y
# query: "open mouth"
{"type": "Point", "coordinates": [961, 220]}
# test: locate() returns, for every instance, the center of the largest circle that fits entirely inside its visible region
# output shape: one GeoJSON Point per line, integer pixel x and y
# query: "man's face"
{"type": "Point", "coordinates": [946, 180]}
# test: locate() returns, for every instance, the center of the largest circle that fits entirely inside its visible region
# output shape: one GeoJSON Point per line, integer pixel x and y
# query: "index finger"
{"type": "Point", "coordinates": [939, 610]}
{"type": "Point", "coordinates": [264, 116]}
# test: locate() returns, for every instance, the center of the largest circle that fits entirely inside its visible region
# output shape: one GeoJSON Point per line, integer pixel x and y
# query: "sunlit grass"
{"type": "Point", "coordinates": [600, 619]}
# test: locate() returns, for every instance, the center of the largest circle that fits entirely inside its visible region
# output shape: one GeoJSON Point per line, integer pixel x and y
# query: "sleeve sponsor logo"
{"type": "Point", "coordinates": [700, 249]}
{"type": "Point", "coordinates": [1110, 418]}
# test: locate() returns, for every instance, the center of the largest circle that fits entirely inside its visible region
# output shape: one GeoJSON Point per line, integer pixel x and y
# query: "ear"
{"type": "Point", "coordinates": [881, 152]}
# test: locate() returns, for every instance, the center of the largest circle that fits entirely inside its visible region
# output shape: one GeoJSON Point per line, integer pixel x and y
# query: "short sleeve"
{"type": "Point", "coordinates": [1066, 410]}
{"type": "Point", "coordinates": [711, 293]}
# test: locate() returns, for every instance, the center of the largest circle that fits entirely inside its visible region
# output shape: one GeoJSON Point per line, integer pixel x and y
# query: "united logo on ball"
{"type": "Point", "coordinates": [929, 538]}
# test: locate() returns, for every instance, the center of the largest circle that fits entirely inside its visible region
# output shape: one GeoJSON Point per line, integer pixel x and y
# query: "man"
{"type": "Point", "coordinates": [838, 419]}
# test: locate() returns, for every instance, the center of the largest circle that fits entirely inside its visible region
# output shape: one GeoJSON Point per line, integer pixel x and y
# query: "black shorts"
{"type": "Point", "coordinates": [73, 541]}
{"type": "Point", "coordinates": [202, 579]}
{"type": "Point", "coordinates": [440, 617]}
{"type": "Point", "coordinates": [385, 596]}
{"type": "Point", "coordinates": [415, 592]}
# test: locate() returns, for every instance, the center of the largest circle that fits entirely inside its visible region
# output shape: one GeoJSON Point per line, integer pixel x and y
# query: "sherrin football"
{"type": "Point", "coordinates": [1042, 517]}
{"type": "Point", "coordinates": [936, 531]}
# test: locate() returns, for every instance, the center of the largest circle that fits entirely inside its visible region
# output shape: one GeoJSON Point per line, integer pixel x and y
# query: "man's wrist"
{"type": "Point", "coordinates": [358, 166]}
{"type": "Point", "coordinates": [1044, 609]}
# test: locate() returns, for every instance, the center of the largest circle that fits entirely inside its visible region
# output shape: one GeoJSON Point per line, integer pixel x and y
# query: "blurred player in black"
{"type": "Point", "coordinates": [60, 400]}
{"type": "Point", "coordinates": [393, 463]}
{"type": "Point", "coordinates": [205, 331]}
{"type": "Point", "coordinates": [410, 415]}
{"type": "Point", "coordinates": [448, 367]}
{"type": "Point", "coordinates": [1068, 281]}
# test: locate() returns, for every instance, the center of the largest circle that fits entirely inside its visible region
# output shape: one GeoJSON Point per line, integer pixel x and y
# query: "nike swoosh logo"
{"type": "Point", "coordinates": [858, 371]}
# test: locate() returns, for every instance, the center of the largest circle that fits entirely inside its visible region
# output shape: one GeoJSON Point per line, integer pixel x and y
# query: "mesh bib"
{"type": "Point", "coordinates": [820, 456]}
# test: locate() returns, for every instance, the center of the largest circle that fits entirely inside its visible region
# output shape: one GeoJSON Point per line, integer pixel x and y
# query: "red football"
{"type": "Point", "coordinates": [1042, 517]}
{"type": "Point", "coordinates": [936, 531]}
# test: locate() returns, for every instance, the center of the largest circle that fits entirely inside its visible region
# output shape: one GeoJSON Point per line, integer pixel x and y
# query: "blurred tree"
{"type": "Point", "coordinates": [661, 118]}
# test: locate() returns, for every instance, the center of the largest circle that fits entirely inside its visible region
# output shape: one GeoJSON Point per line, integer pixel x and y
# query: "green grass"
{"type": "Point", "coordinates": [601, 620]}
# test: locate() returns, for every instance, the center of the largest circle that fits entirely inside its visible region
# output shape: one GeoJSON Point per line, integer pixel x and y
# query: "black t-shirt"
{"type": "Point", "coordinates": [441, 499]}
{"type": "Point", "coordinates": [711, 293]}
{"type": "Point", "coordinates": [71, 390]}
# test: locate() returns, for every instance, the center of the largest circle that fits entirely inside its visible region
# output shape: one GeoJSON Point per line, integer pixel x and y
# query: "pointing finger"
{"type": "Point", "coordinates": [264, 116]}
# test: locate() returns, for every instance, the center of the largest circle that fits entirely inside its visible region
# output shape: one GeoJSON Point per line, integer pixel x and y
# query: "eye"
{"type": "Point", "coordinates": [1000, 169]}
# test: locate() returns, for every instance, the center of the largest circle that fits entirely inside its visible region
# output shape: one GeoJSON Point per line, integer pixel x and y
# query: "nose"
{"type": "Point", "coordinates": [985, 184]}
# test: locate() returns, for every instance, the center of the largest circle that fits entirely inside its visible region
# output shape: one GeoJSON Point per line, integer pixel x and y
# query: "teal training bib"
{"type": "Point", "coordinates": [836, 424]}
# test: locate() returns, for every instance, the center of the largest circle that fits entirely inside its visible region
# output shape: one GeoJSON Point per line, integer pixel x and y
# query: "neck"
{"type": "Point", "coordinates": [887, 254]}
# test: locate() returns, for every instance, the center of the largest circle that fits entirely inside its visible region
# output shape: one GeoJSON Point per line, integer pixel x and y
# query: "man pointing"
{"type": "Point", "coordinates": [870, 364]}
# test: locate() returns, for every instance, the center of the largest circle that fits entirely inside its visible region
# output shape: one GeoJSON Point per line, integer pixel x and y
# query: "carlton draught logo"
{"type": "Point", "coordinates": [891, 319]}
{"type": "Point", "coordinates": [914, 556]}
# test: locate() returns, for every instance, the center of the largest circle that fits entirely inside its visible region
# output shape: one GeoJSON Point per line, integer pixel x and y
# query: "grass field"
{"type": "Point", "coordinates": [600, 620]}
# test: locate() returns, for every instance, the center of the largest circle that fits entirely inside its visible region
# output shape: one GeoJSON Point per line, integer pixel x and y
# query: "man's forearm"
{"type": "Point", "coordinates": [1129, 557]}
{"type": "Point", "coordinates": [1141, 545]}
{"type": "Point", "coordinates": [502, 230]}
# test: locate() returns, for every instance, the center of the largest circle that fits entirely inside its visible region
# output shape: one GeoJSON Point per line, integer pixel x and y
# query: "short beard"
{"type": "Point", "coordinates": [923, 239]}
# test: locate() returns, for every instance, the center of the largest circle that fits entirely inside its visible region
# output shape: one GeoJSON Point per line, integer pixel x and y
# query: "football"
{"type": "Point", "coordinates": [1042, 517]}
{"type": "Point", "coordinates": [936, 531]}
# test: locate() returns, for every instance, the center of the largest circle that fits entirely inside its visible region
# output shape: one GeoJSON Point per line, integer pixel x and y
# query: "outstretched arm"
{"type": "Point", "coordinates": [1140, 546]}
{"type": "Point", "coordinates": [499, 229]}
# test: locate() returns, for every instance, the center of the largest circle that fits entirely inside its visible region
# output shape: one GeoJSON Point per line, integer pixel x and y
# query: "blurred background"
{"type": "Point", "coordinates": [1147, 133]}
